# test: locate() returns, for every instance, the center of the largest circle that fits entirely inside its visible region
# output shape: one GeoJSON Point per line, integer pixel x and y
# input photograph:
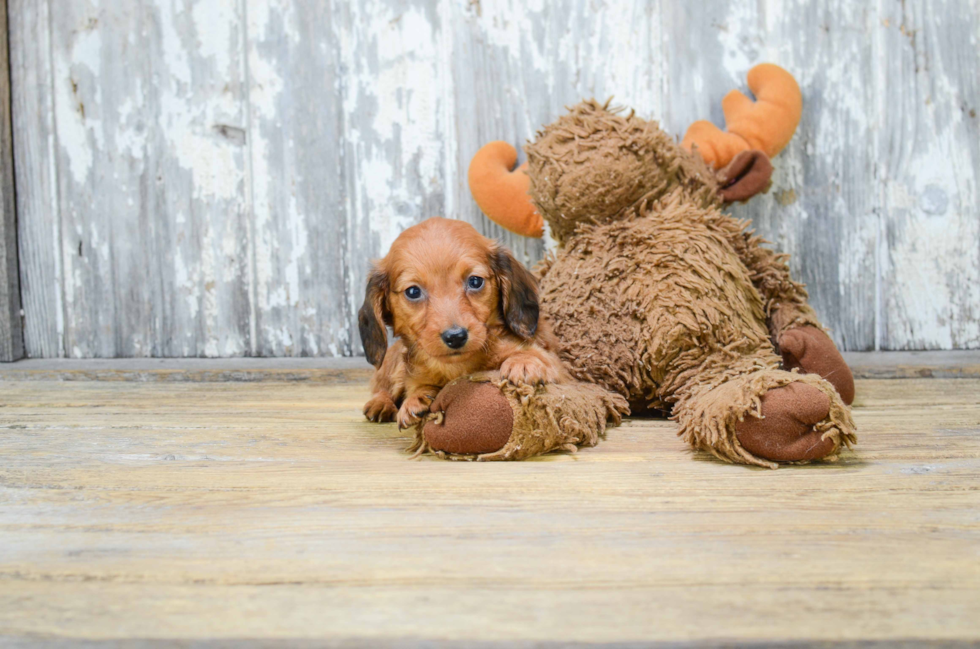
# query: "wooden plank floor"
{"type": "Point", "coordinates": [272, 511]}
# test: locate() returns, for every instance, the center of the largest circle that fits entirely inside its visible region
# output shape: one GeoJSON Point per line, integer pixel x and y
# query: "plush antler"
{"type": "Point", "coordinates": [766, 124]}
{"type": "Point", "coordinates": [502, 193]}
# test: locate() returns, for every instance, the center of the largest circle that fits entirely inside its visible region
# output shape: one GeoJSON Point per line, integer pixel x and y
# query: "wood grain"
{"type": "Point", "coordinates": [273, 510]}
{"type": "Point", "coordinates": [929, 96]}
{"type": "Point", "coordinates": [38, 210]}
{"type": "Point", "coordinates": [11, 333]}
{"type": "Point", "coordinates": [297, 177]}
{"type": "Point", "coordinates": [130, 125]}
{"type": "Point", "coordinates": [151, 178]}
{"type": "Point", "coordinates": [228, 193]}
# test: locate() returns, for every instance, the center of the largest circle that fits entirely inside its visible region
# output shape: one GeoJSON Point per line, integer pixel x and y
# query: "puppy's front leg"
{"type": "Point", "coordinates": [387, 385]}
{"type": "Point", "coordinates": [532, 365]}
{"type": "Point", "coordinates": [416, 404]}
{"type": "Point", "coordinates": [380, 407]}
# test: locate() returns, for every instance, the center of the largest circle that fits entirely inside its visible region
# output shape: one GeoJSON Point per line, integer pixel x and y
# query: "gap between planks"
{"type": "Point", "coordinates": [865, 365]}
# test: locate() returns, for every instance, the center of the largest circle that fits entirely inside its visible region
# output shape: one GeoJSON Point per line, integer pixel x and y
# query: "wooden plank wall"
{"type": "Point", "coordinates": [11, 335]}
{"type": "Point", "coordinates": [204, 178]}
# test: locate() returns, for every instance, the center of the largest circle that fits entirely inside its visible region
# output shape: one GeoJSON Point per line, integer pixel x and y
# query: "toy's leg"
{"type": "Point", "coordinates": [745, 411]}
{"type": "Point", "coordinates": [482, 417]}
{"type": "Point", "coordinates": [811, 350]}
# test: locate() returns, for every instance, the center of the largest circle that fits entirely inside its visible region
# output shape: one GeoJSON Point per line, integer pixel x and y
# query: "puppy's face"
{"type": "Point", "coordinates": [444, 288]}
{"type": "Point", "coordinates": [443, 294]}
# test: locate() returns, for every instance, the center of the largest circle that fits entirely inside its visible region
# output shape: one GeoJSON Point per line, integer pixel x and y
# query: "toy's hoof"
{"type": "Point", "coordinates": [476, 418]}
{"type": "Point", "coordinates": [812, 351]}
{"type": "Point", "coordinates": [786, 432]}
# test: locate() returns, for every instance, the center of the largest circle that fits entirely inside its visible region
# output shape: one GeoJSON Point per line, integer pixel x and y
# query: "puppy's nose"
{"type": "Point", "coordinates": [454, 337]}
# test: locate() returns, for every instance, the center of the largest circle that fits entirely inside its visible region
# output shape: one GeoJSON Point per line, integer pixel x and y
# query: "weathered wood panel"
{"type": "Point", "coordinates": [394, 81]}
{"type": "Point", "coordinates": [38, 212]}
{"type": "Point", "coordinates": [11, 335]}
{"type": "Point", "coordinates": [928, 152]}
{"type": "Point", "coordinates": [298, 237]}
{"type": "Point", "coordinates": [229, 169]}
{"type": "Point", "coordinates": [131, 141]}
{"type": "Point", "coordinates": [149, 106]}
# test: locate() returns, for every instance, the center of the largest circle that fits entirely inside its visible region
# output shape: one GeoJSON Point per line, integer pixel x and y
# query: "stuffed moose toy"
{"type": "Point", "coordinates": [660, 301]}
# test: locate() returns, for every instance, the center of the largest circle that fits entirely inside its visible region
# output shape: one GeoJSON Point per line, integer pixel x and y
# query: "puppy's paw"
{"type": "Point", "coordinates": [412, 410]}
{"type": "Point", "coordinates": [529, 368]}
{"type": "Point", "coordinates": [380, 408]}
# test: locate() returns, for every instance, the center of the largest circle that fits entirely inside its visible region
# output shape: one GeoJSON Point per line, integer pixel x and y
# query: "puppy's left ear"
{"type": "Point", "coordinates": [373, 318]}
{"type": "Point", "coordinates": [518, 294]}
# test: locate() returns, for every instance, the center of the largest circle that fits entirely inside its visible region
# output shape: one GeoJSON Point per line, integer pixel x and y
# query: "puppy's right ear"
{"type": "Point", "coordinates": [373, 318]}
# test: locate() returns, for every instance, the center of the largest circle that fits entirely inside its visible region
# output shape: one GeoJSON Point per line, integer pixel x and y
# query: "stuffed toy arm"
{"type": "Point", "coordinates": [793, 324]}
{"type": "Point", "coordinates": [757, 131]}
{"type": "Point", "coordinates": [785, 300]}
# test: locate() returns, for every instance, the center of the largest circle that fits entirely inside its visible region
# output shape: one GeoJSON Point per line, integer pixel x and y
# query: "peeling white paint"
{"type": "Point", "coordinates": [79, 131]}
{"type": "Point", "coordinates": [934, 306]}
{"type": "Point", "coordinates": [740, 40]}
{"type": "Point", "coordinates": [397, 81]}
{"type": "Point", "coordinates": [248, 232]}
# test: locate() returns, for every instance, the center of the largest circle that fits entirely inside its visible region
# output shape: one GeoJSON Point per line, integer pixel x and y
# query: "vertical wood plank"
{"type": "Point", "coordinates": [821, 207]}
{"type": "Point", "coordinates": [394, 76]}
{"type": "Point", "coordinates": [11, 334]}
{"type": "Point", "coordinates": [296, 146]}
{"type": "Point", "coordinates": [929, 161]}
{"type": "Point", "coordinates": [517, 65]}
{"type": "Point", "coordinates": [38, 213]}
{"type": "Point", "coordinates": [150, 132]}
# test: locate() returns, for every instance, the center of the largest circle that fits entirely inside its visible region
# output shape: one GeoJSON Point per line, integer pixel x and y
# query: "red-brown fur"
{"type": "Point", "coordinates": [501, 319]}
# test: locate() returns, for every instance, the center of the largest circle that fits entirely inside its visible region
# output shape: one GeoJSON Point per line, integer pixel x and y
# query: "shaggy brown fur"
{"type": "Point", "coordinates": [655, 294]}
{"type": "Point", "coordinates": [544, 418]}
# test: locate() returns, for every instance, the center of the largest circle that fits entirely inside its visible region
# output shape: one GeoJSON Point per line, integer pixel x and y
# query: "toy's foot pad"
{"type": "Point", "coordinates": [476, 418]}
{"type": "Point", "coordinates": [812, 351]}
{"type": "Point", "coordinates": [786, 432]}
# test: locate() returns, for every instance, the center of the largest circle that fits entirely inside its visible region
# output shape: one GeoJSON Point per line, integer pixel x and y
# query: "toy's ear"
{"type": "Point", "coordinates": [373, 318]}
{"type": "Point", "coordinates": [745, 176]}
{"type": "Point", "coordinates": [501, 191]}
{"type": "Point", "coordinates": [518, 294]}
{"type": "Point", "coordinates": [766, 124]}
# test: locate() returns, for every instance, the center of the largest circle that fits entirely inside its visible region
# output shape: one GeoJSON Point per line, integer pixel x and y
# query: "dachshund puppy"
{"type": "Point", "coordinates": [458, 303]}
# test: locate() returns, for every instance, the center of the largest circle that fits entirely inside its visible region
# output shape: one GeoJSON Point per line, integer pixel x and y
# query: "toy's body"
{"type": "Point", "coordinates": [660, 314]}
{"type": "Point", "coordinates": [660, 298]}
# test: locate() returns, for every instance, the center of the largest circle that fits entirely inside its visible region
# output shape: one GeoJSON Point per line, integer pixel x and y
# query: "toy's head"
{"type": "Point", "coordinates": [595, 163]}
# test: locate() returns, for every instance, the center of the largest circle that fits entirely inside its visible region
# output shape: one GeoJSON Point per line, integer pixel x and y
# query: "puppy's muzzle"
{"type": "Point", "coordinates": [455, 337]}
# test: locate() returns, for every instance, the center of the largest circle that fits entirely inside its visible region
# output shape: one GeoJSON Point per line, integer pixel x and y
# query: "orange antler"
{"type": "Point", "coordinates": [766, 124]}
{"type": "Point", "coordinates": [502, 193]}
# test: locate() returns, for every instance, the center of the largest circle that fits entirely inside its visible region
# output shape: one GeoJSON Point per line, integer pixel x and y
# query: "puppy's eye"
{"type": "Point", "coordinates": [413, 293]}
{"type": "Point", "coordinates": [474, 282]}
